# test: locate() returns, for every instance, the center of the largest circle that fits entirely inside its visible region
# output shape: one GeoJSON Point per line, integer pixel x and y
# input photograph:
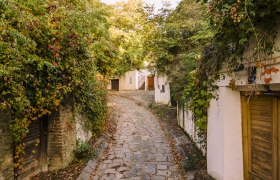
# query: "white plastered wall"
{"type": "Point", "coordinates": [186, 122]}
{"type": "Point", "coordinates": [224, 136]}
{"type": "Point", "coordinates": [224, 130]}
{"type": "Point", "coordinates": [162, 97]}
{"type": "Point", "coordinates": [129, 81]}
{"type": "Point", "coordinates": [224, 141]}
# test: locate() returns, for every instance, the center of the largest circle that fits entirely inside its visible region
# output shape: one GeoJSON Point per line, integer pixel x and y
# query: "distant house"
{"type": "Point", "coordinates": [243, 131]}
{"type": "Point", "coordinates": [162, 89]}
{"type": "Point", "coordinates": [132, 80]}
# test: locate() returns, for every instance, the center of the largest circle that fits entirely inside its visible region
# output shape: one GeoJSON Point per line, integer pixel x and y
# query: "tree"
{"type": "Point", "coordinates": [177, 41]}
{"type": "Point", "coordinates": [128, 20]}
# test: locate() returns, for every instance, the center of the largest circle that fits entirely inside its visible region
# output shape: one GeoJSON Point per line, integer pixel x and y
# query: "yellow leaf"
{"type": "Point", "coordinates": [56, 102]}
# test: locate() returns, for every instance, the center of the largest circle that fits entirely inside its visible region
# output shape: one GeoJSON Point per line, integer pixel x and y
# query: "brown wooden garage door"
{"type": "Point", "coordinates": [260, 137]}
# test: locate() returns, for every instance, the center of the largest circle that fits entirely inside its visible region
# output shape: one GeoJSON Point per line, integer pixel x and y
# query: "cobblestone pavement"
{"type": "Point", "coordinates": [145, 97]}
{"type": "Point", "coordinates": [141, 150]}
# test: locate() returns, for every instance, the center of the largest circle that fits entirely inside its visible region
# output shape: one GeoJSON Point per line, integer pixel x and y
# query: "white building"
{"type": "Point", "coordinates": [132, 80]}
{"type": "Point", "coordinates": [243, 133]}
{"type": "Point", "coordinates": [162, 89]}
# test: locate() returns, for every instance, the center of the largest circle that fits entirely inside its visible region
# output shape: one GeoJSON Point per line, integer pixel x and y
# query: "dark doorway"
{"type": "Point", "coordinates": [115, 84]}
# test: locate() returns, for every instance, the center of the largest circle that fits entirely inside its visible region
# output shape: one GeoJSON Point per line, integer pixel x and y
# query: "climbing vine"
{"type": "Point", "coordinates": [236, 25]}
{"type": "Point", "coordinates": [218, 42]}
{"type": "Point", "coordinates": [50, 50]}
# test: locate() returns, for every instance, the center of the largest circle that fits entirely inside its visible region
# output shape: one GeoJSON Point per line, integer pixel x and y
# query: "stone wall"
{"type": "Point", "coordinates": [6, 151]}
{"type": "Point", "coordinates": [83, 134]}
{"type": "Point", "coordinates": [65, 127]}
{"type": "Point", "coordinates": [62, 137]}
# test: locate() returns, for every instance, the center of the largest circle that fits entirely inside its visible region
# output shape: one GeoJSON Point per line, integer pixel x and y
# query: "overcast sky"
{"type": "Point", "coordinates": [157, 3]}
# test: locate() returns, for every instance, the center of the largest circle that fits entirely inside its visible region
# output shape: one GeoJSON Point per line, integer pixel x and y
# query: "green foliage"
{"type": "Point", "coordinates": [235, 25]}
{"type": "Point", "coordinates": [92, 102]}
{"type": "Point", "coordinates": [177, 45]}
{"type": "Point", "coordinates": [238, 23]}
{"type": "Point", "coordinates": [85, 151]}
{"type": "Point", "coordinates": [192, 47]}
{"type": "Point", "coordinates": [48, 51]}
{"type": "Point", "coordinates": [128, 21]}
{"type": "Point", "coordinates": [198, 96]}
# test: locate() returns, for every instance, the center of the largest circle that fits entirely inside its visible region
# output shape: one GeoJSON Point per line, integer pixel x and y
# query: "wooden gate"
{"type": "Point", "coordinates": [35, 157]}
{"type": "Point", "coordinates": [151, 83]}
{"type": "Point", "coordinates": [260, 137]}
{"type": "Point", "coordinates": [115, 84]}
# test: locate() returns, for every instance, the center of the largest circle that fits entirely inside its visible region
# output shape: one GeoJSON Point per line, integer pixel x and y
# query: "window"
{"type": "Point", "coordinates": [162, 89]}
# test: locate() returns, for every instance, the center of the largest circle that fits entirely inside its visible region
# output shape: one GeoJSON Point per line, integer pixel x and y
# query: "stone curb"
{"type": "Point", "coordinates": [91, 165]}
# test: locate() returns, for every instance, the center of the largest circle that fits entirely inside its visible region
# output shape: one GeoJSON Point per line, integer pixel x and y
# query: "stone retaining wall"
{"type": "Point", "coordinates": [62, 137]}
{"type": "Point", "coordinates": [65, 127]}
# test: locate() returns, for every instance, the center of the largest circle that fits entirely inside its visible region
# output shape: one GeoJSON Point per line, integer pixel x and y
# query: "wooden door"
{"type": "Point", "coordinates": [151, 83]}
{"type": "Point", "coordinates": [260, 138]}
{"type": "Point", "coordinates": [115, 84]}
{"type": "Point", "coordinates": [35, 157]}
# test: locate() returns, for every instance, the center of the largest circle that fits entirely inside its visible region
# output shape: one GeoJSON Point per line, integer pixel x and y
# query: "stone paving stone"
{"type": "Point", "coordinates": [123, 169]}
{"type": "Point", "coordinates": [161, 158]}
{"type": "Point", "coordinates": [118, 161]}
{"type": "Point", "coordinates": [120, 155]}
{"type": "Point", "coordinates": [165, 173]}
{"type": "Point", "coordinates": [141, 150]}
{"type": "Point", "coordinates": [161, 167]}
{"type": "Point", "coordinates": [158, 178]}
{"type": "Point", "coordinates": [87, 169]}
{"type": "Point", "coordinates": [107, 161]}
{"type": "Point", "coordinates": [110, 171]}
{"type": "Point", "coordinates": [150, 169]}
{"type": "Point", "coordinates": [145, 177]}
{"type": "Point", "coordinates": [134, 178]}
{"type": "Point", "coordinates": [94, 178]}
{"type": "Point", "coordinates": [110, 157]}
{"type": "Point", "coordinates": [84, 176]}
{"type": "Point", "coordinates": [102, 167]}
{"type": "Point", "coordinates": [114, 165]}
{"type": "Point", "coordinates": [175, 178]}
{"type": "Point", "coordinates": [91, 164]}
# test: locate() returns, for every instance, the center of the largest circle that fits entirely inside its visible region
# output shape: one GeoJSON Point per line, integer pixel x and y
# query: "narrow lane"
{"type": "Point", "coordinates": [141, 150]}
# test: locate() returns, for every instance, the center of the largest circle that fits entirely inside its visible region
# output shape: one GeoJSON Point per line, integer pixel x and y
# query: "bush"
{"type": "Point", "coordinates": [50, 50]}
{"type": "Point", "coordinates": [85, 151]}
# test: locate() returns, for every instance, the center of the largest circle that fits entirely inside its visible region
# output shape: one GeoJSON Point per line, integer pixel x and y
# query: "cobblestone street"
{"type": "Point", "coordinates": [141, 150]}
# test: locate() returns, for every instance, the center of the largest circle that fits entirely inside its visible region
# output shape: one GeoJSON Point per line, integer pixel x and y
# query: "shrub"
{"type": "Point", "coordinates": [85, 151]}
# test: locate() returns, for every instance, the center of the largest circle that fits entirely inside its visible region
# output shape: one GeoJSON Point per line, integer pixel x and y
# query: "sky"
{"type": "Point", "coordinates": [157, 3]}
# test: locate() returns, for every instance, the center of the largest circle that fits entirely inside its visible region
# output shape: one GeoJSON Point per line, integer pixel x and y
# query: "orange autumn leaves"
{"type": "Point", "coordinates": [267, 72]}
